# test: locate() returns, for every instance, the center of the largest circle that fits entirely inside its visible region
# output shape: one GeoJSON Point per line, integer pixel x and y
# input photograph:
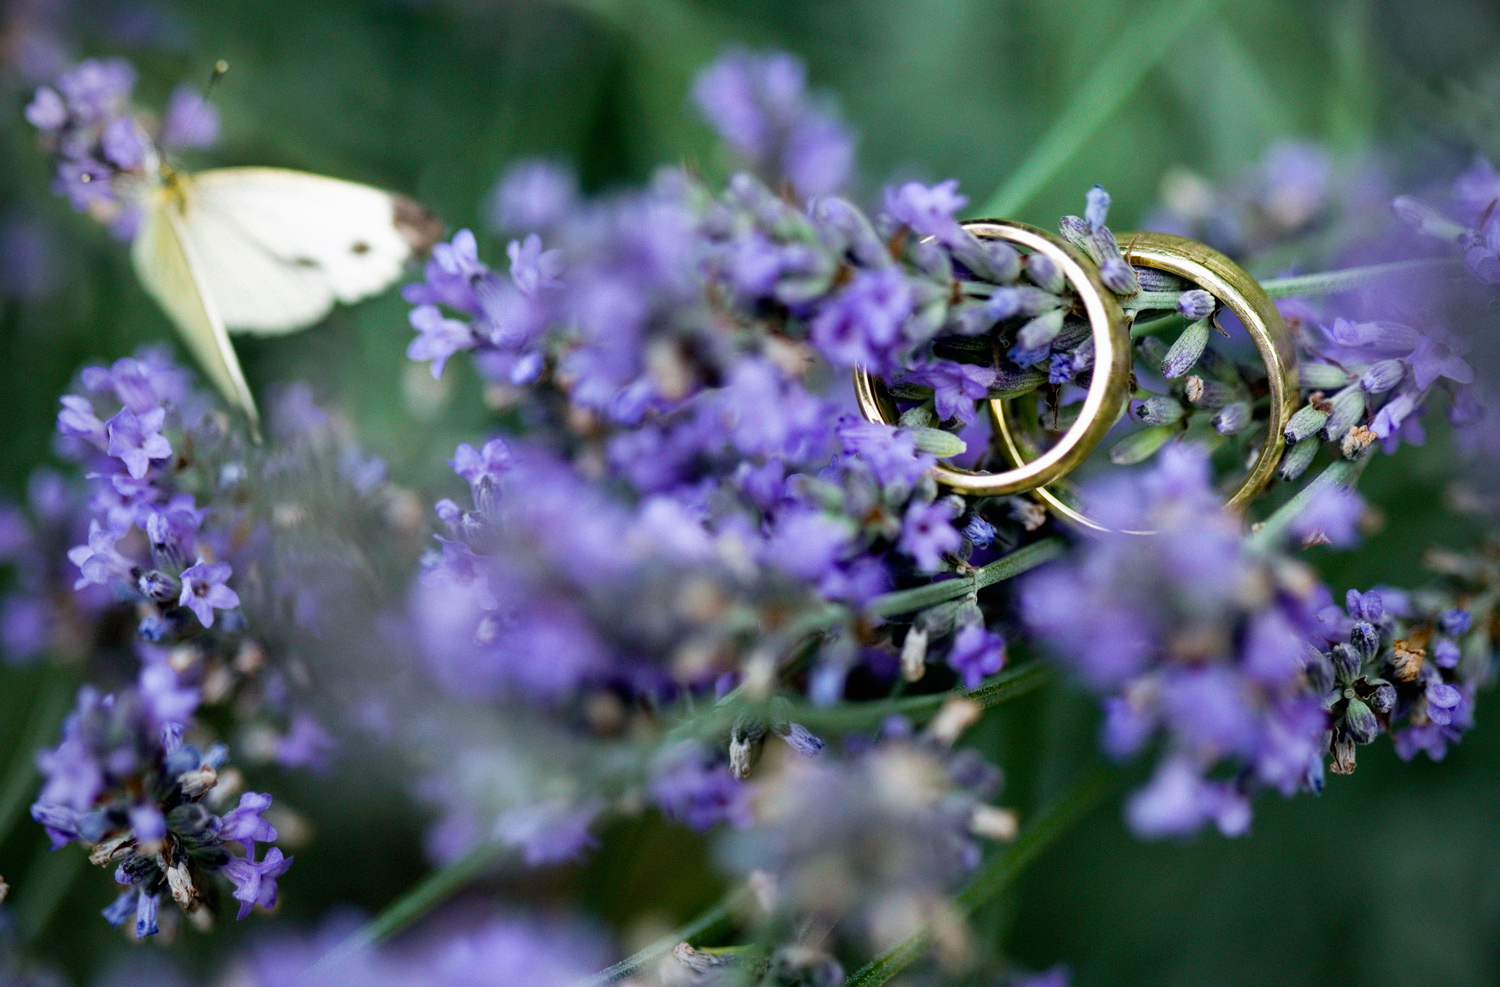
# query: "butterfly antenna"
{"type": "Point", "coordinates": [220, 70]}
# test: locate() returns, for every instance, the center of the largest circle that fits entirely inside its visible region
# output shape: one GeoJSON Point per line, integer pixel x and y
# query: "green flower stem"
{"type": "Point", "coordinates": [48, 706]}
{"type": "Point", "coordinates": [1152, 301]}
{"type": "Point", "coordinates": [428, 892]}
{"type": "Point", "coordinates": [1122, 63]}
{"type": "Point", "coordinates": [1354, 277]}
{"type": "Point", "coordinates": [995, 876]}
{"type": "Point", "coordinates": [1339, 473]}
{"type": "Point", "coordinates": [702, 925]}
{"type": "Point", "coordinates": [922, 597]}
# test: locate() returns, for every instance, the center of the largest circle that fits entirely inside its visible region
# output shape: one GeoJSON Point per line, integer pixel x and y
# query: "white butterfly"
{"type": "Point", "coordinates": [267, 251]}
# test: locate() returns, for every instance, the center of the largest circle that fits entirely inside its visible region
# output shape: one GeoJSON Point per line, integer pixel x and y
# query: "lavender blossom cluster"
{"type": "Point", "coordinates": [686, 552]}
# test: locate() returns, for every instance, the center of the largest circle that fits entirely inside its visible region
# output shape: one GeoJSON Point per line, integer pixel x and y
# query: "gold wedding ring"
{"type": "Point", "coordinates": [1108, 390]}
{"type": "Point", "coordinates": [1241, 294]}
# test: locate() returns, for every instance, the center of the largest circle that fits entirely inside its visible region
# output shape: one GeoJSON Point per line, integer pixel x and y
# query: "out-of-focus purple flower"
{"type": "Point", "coordinates": [690, 784]}
{"type": "Point", "coordinates": [927, 534]}
{"type": "Point", "coordinates": [1332, 515]}
{"type": "Point", "coordinates": [976, 653]}
{"type": "Point", "coordinates": [928, 210]}
{"type": "Point", "coordinates": [890, 453]}
{"type": "Point", "coordinates": [862, 325]}
{"type": "Point", "coordinates": [532, 195]}
{"type": "Point", "coordinates": [1178, 801]}
{"type": "Point", "coordinates": [439, 337]}
{"type": "Point", "coordinates": [759, 106]}
{"type": "Point", "coordinates": [190, 121]}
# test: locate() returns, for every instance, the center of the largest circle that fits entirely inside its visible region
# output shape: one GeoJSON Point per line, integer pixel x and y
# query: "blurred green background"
{"type": "Point", "coordinates": [1391, 877]}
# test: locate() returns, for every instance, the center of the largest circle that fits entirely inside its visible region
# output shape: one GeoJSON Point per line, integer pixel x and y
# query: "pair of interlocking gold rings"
{"type": "Point", "coordinates": [1110, 387]}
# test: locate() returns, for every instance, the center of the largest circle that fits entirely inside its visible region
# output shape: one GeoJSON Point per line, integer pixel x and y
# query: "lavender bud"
{"type": "Point", "coordinates": [1153, 280]}
{"type": "Point", "coordinates": [1119, 277]}
{"type": "Point", "coordinates": [1004, 261]}
{"type": "Point", "coordinates": [844, 228]}
{"type": "Point", "coordinates": [1160, 410]}
{"type": "Point", "coordinates": [1321, 376]}
{"type": "Point", "coordinates": [1040, 331]}
{"type": "Point", "coordinates": [1319, 673]}
{"type": "Point", "coordinates": [1186, 351]}
{"type": "Point", "coordinates": [1297, 459]}
{"type": "Point", "coordinates": [1045, 274]}
{"type": "Point", "coordinates": [1209, 393]}
{"type": "Point", "coordinates": [1010, 303]}
{"type": "Point", "coordinates": [1359, 722]}
{"type": "Point", "coordinates": [1383, 699]}
{"type": "Point", "coordinates": [746, 738]}
{"type": "Point", "coordinates": [803, 740]}
{"type": "Point", "coordinates": [914, 654]}
{"type": "Point", "coordinates": [1382, 376]}
{"type": "Point", "coordinates": [941, 444]}
{"type": "Point", "coordinates": [1197, 304]}
{"type": "Point", "coordinates": [918, 416]}
{"type": "Point", "coordinates": [1305, 422]}
{"type": "Point", "coordinates": [1232, 418]}
{"type": "Point", "coordinates": [1426, 220]}
{"type": "Point", "coordinates": [1348, 407]}
{"type": "Point", "coordinates": [1096, 210]}
{"type": "Point", "coordinates": [981, 533]}
{"type": "Point", "coordinates": [1366, 640]}
{"type": "Point", "coordinates": [158, 587]}
{"type": "Point", "coordinates": [1346, 662]}
{"type": "Point", "coordinates": [1076, 231]}
{"type": "Point", "coordinates": [1140, 446]}
{"type": "Point", "coordinates": [1455, 622]}
{"type": "Point", "coordinates": [932, 260]}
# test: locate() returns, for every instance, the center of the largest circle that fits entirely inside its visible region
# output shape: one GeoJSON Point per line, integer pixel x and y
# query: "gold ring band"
{"type": "Point", "coordinates": [1241, 294]}
{"type": "Point", "coordinates": [1107, 393]}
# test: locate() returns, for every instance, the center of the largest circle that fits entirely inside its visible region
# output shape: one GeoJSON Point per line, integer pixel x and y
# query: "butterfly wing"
{"type": "Point", "coordinates": [166, 261]}
{"type": "Point", "coordinates": [277, 248]}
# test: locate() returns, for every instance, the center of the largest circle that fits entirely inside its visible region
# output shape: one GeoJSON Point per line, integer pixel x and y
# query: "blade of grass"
{"type": "Point", "coordinates": [1121, 67]}
{"type": "Point", "coordinates": [428, 893]}
{"type": "Point", "coordinates": [699, 926]}
{"type": "Point", "coordinates": [48, 707]}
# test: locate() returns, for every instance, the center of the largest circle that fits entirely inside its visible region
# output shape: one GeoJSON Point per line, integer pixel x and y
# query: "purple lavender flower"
{"type": "Point", "coordinates": [759, 105]}
{"type": "Point", "coordinates": [927, 534]}
{"type": "Point", "coordinates": [439, 337]}
{"type": "Point", "coordinates": [976, 653]}
{"type": "Point", "coordinates": [136, 440]}
{"type": "Point", "coordinates": [863, 324]}
{"type": "Point", "coordinates": [190, 120]}
{"type": "Point", "coordinates": [955, 386]}
{"type": "Point", "coordinates": [532, 195]}
{"type": "Point", "coordinates": [255, 883]}
{"type": "Point", "coordinates": [928, 211]}
{"type": "Point", "coordinates": [691, 784]}
{"type": "Point", "coordinates": [205, 589]}
{"type": "Point", "coordinates": [1173, 630]}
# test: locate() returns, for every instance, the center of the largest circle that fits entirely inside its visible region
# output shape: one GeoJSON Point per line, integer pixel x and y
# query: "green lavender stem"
{"type": "Point", "coordinates": [1123, 63]}
{"type": "Point", "coordinates": [704, 923]}
{"type": "Point", "coordinates": [1340, 473]}
{"type": "Point", "coordinates": [995, 876]}
{"type": "Point", "coordinates": [1355, 277]}
{"type": "Point", "coordinates": [430, 891]}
